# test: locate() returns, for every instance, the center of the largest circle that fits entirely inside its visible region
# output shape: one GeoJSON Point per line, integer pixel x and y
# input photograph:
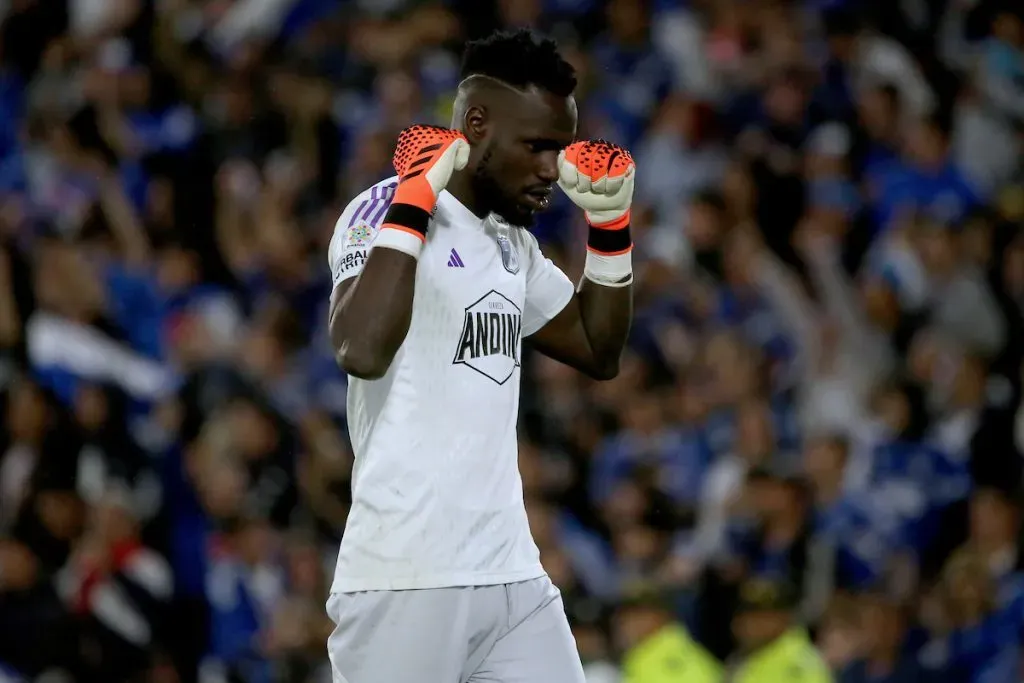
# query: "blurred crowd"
{"type": "Point", "coordinates": [817, 430]}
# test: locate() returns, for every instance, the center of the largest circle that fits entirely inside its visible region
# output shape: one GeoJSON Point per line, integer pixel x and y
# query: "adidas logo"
{"type": "Point", "coordinates": [455, 261]}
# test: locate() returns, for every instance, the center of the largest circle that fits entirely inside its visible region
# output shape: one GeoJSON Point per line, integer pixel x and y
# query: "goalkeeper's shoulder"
{"type": "Point", "coordinates": [370, 205]}
{"type": "Point", "coordinates": [362, 216]}
{"type": "Point", "coordinates": [357, 226]}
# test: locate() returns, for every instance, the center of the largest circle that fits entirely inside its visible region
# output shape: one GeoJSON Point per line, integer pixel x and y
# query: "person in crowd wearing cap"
{"type": "Point", "coordinates": [658, 649]}
{"type": "Point", "coordinates": [772, 646]}
{"type": "Point", "coordinates": [779, 543]}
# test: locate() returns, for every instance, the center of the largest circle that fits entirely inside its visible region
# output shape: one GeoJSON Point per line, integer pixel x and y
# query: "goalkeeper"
{"type": "Point", "coordinates": [437, 283]}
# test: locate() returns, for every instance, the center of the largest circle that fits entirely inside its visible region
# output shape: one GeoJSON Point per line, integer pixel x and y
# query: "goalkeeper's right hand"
{"type": "Point", "coordinates": [425, 159]}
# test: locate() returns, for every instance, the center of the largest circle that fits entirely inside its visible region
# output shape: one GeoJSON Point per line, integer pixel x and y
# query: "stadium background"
{"type": "Point", "coordinates": [821, 389]}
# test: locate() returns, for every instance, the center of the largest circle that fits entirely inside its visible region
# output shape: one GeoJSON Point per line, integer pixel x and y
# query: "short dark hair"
{"type": "Point", "coordinates": [520, 58]}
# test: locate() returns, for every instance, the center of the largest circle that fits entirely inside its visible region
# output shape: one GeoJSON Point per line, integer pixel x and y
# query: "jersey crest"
{"type": "Point", "coordinates": [491, 334]}
{"type": "Point", "coordinates": [509, 258]}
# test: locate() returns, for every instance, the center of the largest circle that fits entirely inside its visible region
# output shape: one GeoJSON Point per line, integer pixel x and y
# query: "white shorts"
{"type": "Point", "coordinates": [509, 633]}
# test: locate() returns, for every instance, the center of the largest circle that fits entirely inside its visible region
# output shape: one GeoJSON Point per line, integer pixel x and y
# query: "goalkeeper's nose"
{"type": "Point", "coordinates": [547, 167]}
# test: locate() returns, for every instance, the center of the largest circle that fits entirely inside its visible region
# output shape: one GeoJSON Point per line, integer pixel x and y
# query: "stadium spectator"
{"type": "Point", "coordinates": [883, 632]}
{"type": "Point", "coordinates": [658, 650]}
{"type": "Point", "coordinates": [771, 645]}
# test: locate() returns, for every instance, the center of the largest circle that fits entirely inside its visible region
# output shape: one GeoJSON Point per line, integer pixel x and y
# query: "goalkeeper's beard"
{"type": "Point", "coordinates": [491, 195]}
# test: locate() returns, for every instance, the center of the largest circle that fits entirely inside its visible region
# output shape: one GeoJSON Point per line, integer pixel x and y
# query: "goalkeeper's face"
{"type": "Point", "coordinates": [517, 160]}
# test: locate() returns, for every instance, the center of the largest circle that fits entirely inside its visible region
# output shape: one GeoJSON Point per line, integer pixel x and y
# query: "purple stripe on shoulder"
{"type": "Point", "coordinates": [389, 194]}
{"type": "Point", "coordinates": [375, 195]}
{"type": "Point", "coordinates": [355, 214]}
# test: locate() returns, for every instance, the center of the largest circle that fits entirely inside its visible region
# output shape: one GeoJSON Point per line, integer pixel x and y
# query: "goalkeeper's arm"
{"type": "Point", "coordinates": [370, 313]}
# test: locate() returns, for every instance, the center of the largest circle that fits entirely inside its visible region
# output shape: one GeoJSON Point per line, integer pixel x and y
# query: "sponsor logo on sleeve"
{"type": "Point", "coordinates": [358, 235]}
{"type": "Point", "coordinates": [352, 259]}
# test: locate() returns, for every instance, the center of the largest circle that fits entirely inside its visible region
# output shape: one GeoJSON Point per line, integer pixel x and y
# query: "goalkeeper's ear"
{"type": "Point", "coordinates": [476, 124]}
{"type": "Point", "coordinates": [473, 110]}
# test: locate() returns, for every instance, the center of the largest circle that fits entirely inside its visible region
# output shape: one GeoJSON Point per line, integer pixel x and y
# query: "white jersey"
{"type": "Point", "coordinates": [437, 500]}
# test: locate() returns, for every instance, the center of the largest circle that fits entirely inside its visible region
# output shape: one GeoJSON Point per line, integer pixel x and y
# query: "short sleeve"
{"type": "Point", "coordinates": [356, 229]}
{"type": "Point", "coordinates": [548, 290]}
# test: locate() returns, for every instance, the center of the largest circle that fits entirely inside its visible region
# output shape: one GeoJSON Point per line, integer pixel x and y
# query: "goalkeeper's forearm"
{"type": "Point", "coordinates": [606, 314]}
{"type": "Point", "coordinates": [605, 294]}
{"type": "Point", "coordinates": [370, 314]}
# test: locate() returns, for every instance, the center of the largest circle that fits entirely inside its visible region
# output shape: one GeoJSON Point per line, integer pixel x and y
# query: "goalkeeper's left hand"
{"type": "Point", "coordinates": [598, 177]}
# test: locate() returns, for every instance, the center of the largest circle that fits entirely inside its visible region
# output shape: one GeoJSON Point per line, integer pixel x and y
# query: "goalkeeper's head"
{"type": "Point", "coordinates": [515, 105]}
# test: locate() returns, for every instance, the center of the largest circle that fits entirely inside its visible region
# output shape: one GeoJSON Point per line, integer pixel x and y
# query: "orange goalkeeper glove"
{"type": "Point", "coordinates": [425, 159]}
{"type": "Point", "coordinates": [598, 177]}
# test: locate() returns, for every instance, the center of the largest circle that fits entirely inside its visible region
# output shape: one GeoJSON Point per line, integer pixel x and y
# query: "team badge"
{"type": "Point", "coordinates": [509, 258]}
{"type": "Point", "coordinates": [359, 235]}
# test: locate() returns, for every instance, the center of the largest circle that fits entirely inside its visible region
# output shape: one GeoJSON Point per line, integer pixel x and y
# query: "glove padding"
{"type": "Point", "coordinates": [425, 158]}
{"type": "Point", "coordinates": [598, 177]}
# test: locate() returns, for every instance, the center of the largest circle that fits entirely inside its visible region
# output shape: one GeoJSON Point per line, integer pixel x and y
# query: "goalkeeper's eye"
{"type": "Point", "coordinates": [539, 145]}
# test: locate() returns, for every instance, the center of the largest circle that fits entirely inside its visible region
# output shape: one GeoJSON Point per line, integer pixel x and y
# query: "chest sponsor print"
{"type": "Point", "coordinates": [490, 342]}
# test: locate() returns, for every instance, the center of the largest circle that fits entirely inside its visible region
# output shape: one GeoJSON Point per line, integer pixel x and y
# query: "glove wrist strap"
{"type": "Point", "coordinates": [610, 241]}
{"type": "Point", "coordinates": [609, 251]}
{"type": "Point", "coordinates": [404, 229]}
